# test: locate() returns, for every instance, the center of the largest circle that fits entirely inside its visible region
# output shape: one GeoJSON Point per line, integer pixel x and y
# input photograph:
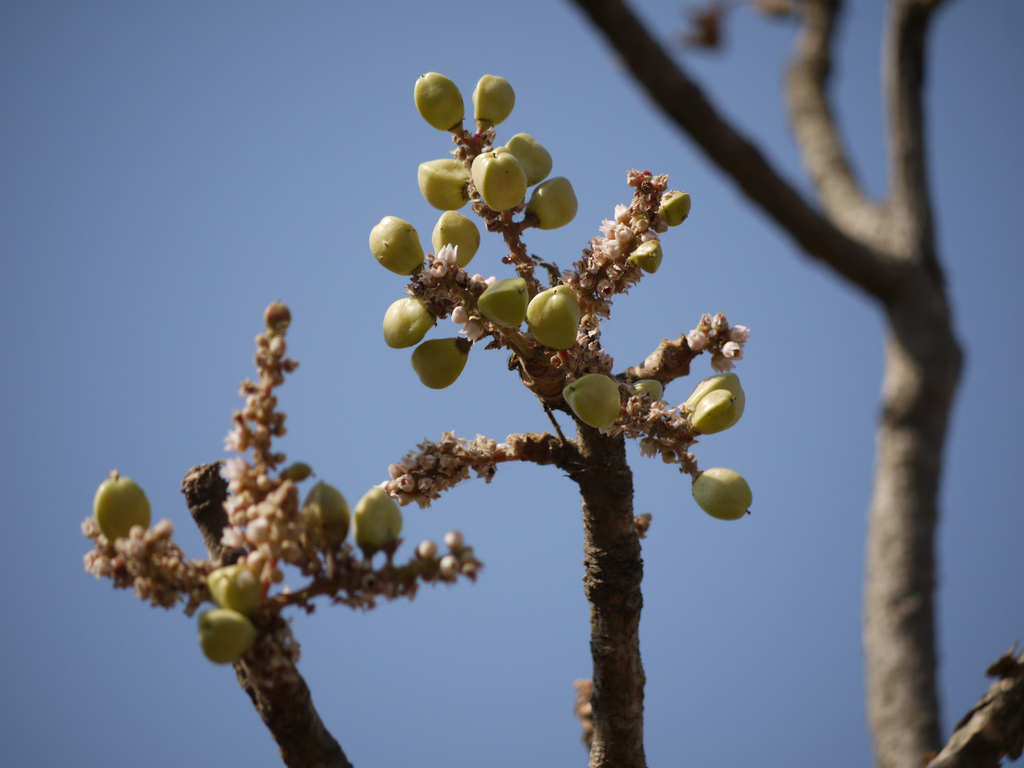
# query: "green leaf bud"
{"type": "Point", "coordinates": [647, 256]}
{"type": "Point", "coordinates": [553, 203]}
{"type": "Point", "coordinates": [504, 303]}
{"type": "Point", "coordinates": [236, 587]}
{"type": "Point", "coordinates": [439, 362]}
{"type": "Point", "coordinates": [395, 244]}
{"type": "Point", "coordinates": [406, 322]}
{"type": "Point", "coordinates": [326, 507]}
{"type": "Point", "coordinates": [675, 207]}
{"type": "Point", "coordinates": [536, 160]}
{"type": "Point", "coordinates": [376, 521]}
{"type": "Point", "coordinates": [120, 504]}
{"type": "Point", "coordinates": [594, 398]}
{"type": "Point", "coordinates": [453, 228]}
{"type": "Point", "coordinates": [554, 317]}
{"type": "Point", "coordinates": [225, 635]}
{"type": "Point", "coordinates": [499, 178]}
{"type": "Point", "coordinates": [493, 100]}
{"type": "Point", "coordinates": [439, 101]}
{"type": "Point", "coordinates": [650, 387]}
{"type": "Point", "coordinates": [443, 183]}
{"type": "Point", "coordinates": [722, 493]}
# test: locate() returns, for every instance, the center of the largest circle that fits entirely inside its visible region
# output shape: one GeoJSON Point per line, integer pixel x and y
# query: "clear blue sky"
{"type": "Point", "coordinates": [170, 168]}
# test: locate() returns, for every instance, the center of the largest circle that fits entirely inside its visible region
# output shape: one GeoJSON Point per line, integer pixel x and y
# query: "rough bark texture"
{"type": "Point", "coordinates": [283, 701]}
{"type": "Point", "coordinates": [887, 250]}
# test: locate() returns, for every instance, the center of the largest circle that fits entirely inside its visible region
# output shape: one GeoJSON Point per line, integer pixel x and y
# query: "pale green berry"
{"type": "Point", "coordinates": [236, 587]}
{"type": "Point", "coordinates": [326, 507]}
{"type": "Point", "coordinates": [296, 472]}
{"type": "Point", "coordinates": [439, 101]}
{"type": "Point", "coordinates": [553, 203]}
{"type": "Point", "coordinates": [376, 521]}
{"type": "Point", "coordinates": [594, 398]}
{"type": "Point", "coordinates": [406, 322]}
{"type": "Point", "coordinates": [120, 504]}
{"type": "Point", "coordinates": [395, 244]}
{"type": "Point", "coordinates": [715, 412]}
{"type": "Point", "coordinates": [504, 303]}
{"type": "Point", "coordinates": [675, 207]}
{"type": "Point", "coordinates": [499, 178]}
{"type": "Point", "coordinates": [647, 256]}
{"type": "Point", "coordinates": [443, 183]}
{"type": "Point", "coordinates": [453, 228]}
{"type": "Point", "coordinates": [728, 382]}
{"type": "Point", "coordinates": [554, 317]}
{"type": "Point", "coordinates": [493, 100]}
{"type": "Point", "coordinates": [722, 493]}
{"type": "Point", "coordinates": [536, 160]}
{"type": "Point", "coordinates": [439, 362]}
{"type": "Point", "coordinates": [225, 635]}
{"type": "Point", "coordinates": [650, 387]}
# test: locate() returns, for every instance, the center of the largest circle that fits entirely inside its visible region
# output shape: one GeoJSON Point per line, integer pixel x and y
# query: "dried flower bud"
{"type": "Point", "coordinates": [277, 317]}
{"type": "Point", "coordinates": [449, 566]}
{"type": "Point", "coordinates": [536, 160]}
{"type": "Point", "coordinates": [504, 302]}
{"type": "Point", "coordinates": [395, 244]}
{"type": "Point", "coordinates": [439, 362]}
{"type": "Point", "coordinates": [427, 550]}
{"type": "Point", "coordinates": [236, 587]}
{"type": "Point", "coordinates": [326, 507]}
{"type": "Point", "coordinates": [647, 256]}
{"type": "Point", "coordinates": [118, 505]}
{"type": "Point", "coordinates": [553, 203]}
{"type": "Point", "coordinates": [594, 398]}
{"type": "Point", "coordinates": [650, 387]}
{"type": "Point", "coordinates": [453, 540]}
{"type": "Point", "coordinates": [499, 178]}
{"type": "Point", "coordinates": [554, 317]}
{"type": "Point", "coordinates": [722, 493]}
{"type": "Point", "coordinates": [453, 228]}
{"type": "Point", "coordinates": [376, 521]}
{"type": "Point", "coordinates": [406, 322]}
{"type": "Point", "coordinates": [225, 635]}
{"type": "Point", "coordinates": [439, 101]}
{"type": "Point", "coordinates": [675, 207]}
{"type": "Point", "coordinates": [493, 100]}
{"type": "Point", "coordinates": [443, 183]}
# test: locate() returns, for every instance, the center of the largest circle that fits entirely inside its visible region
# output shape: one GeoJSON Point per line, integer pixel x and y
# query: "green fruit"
{"type": "Point", "coordinates": [296, 472]}
{"type": "Point", "coordinates": [554, 317]}
{"type": "Point", "coordinates": [376, 521]}
{"type": "Point", "coordinates": [553, 203]}
{"type": "Point", "coordinates": [675, 207]}
{"type": "Point", "coordinates": [455, 229]}
{"type": "Point", "coordinates": [327, 507]}
{"type": "Point", "coordinates": [443, 183]}
{"type": "Point", "coordinates": [651, 387]}
{"type": "Point", "coordinates": [594, 398]}
{"type": "Point", "coordinates": [715, 412]}
{"type": "Point", "coordinates": [647, 256]}
{"type": "Point", "coordinates": [118, 505]}
{"type": "Point", "coordinates": [504, 302]}
{"type": "Point", "coordinates": [536, 160]}
{"type": "Point", "coordinates": [439, 101]}
{"type": "Point", "coordinates": [728, 382]}
{"type": "Point", "coordinates": [236, 587]}
{"type": "Point", "coordinates": [493, 100]}
{"type": "Point", "coordinates": [439, 362]}
{"type": "Point", "coordinates": [225, 635]}
{"type": "Point", "coordinates": [499, 178]}
{"type": "Point", "coordinates": [406, 322]}
{"type": "Point", "coordinates": [395, 244]}
{"type": "Point", "coordinates": [722, 493]}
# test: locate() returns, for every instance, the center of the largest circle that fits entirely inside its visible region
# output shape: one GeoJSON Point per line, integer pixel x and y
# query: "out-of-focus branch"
{"type": "Point", "coordinates": [811, 118]}
{"type": "Point", "coordinates": [683, 102]}
{"type": "Point", "coordinates": [275, 687]}
{"type": "Point", "coordinates": [994, 728]}
{"type": "Point", "coordinates": [670, 361]}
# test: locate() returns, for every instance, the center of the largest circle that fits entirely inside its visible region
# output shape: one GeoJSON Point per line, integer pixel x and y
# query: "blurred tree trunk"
{"type": "Point", "coordinates": [888, 251]}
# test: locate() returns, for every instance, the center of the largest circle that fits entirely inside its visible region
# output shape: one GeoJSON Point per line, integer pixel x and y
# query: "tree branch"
{"type": "Point", "coordinates": [268, 673]}
{"type": "Point", "coordinates": [684, 103]}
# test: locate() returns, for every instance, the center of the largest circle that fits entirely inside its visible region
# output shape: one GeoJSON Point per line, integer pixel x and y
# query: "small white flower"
{"type": "Point", "coordinates": [696, 340]}
{"type": "Point", "coordinates": [460, 315]}
{"type": "Point", "coordinates": [720, 363]}
{"type": "Point", "coordinates": [739, 334]}
{"type": "Point", "coordinates": [732, 350]}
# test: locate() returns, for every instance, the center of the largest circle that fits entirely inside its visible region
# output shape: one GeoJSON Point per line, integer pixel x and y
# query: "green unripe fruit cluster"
{"type": "Point", "coordinates": [376, 521]}
{"type": "Point", "coordinates": [504, 303]}
{"type": "Point", "coordinates": [443, 183]}
{"type": "Point", "coordinates": [439, 362]}
{"type": "Point", "coordinates": [395, 244]}
{"type": "Point", "coordinates": [493, 100]}
{"type": "Point", "coordinates": [554, 317]}
{"type": "Point", "coordinates": [499, 178]}
{"type": "Point", "coordinates": [225, 635]}
{"type": "Point", "coordinates": [594, 398]}
{"type": "Point", "coordinates": [553, 203]}
{"type": "Point", "coordinates": [236, 587]}
{"type": "Point", "coordinates": [118, 505]}
{"type": "Point", "coordinates": [716, 403]}
{"type": "Point", "coordinates": [647, 256]}
{"type": "Point", "coordinates": [675, 207]}
{"type": "Point", "coordinates": [326, 507]}
{"type": "Point", "coordinates": [530, 153]}
{"type": "Point", "coordinates": [453, 228]}
{"type": "Point", "coordinates": [722, 493]}
{"type": "Point", "coordinates": [439, 101]}
{"type": "Point", "coordinates": [406, 322]}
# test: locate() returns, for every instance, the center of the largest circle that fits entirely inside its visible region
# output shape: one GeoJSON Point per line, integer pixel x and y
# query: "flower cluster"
{"type": "Point", "coordinates": [724, 342]}
{"type": "Point", "coordinates": [434, 467]}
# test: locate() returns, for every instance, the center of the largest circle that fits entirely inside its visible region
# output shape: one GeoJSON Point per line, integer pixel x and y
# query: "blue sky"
{"type": "Point", "coordinates": [171, 168]}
